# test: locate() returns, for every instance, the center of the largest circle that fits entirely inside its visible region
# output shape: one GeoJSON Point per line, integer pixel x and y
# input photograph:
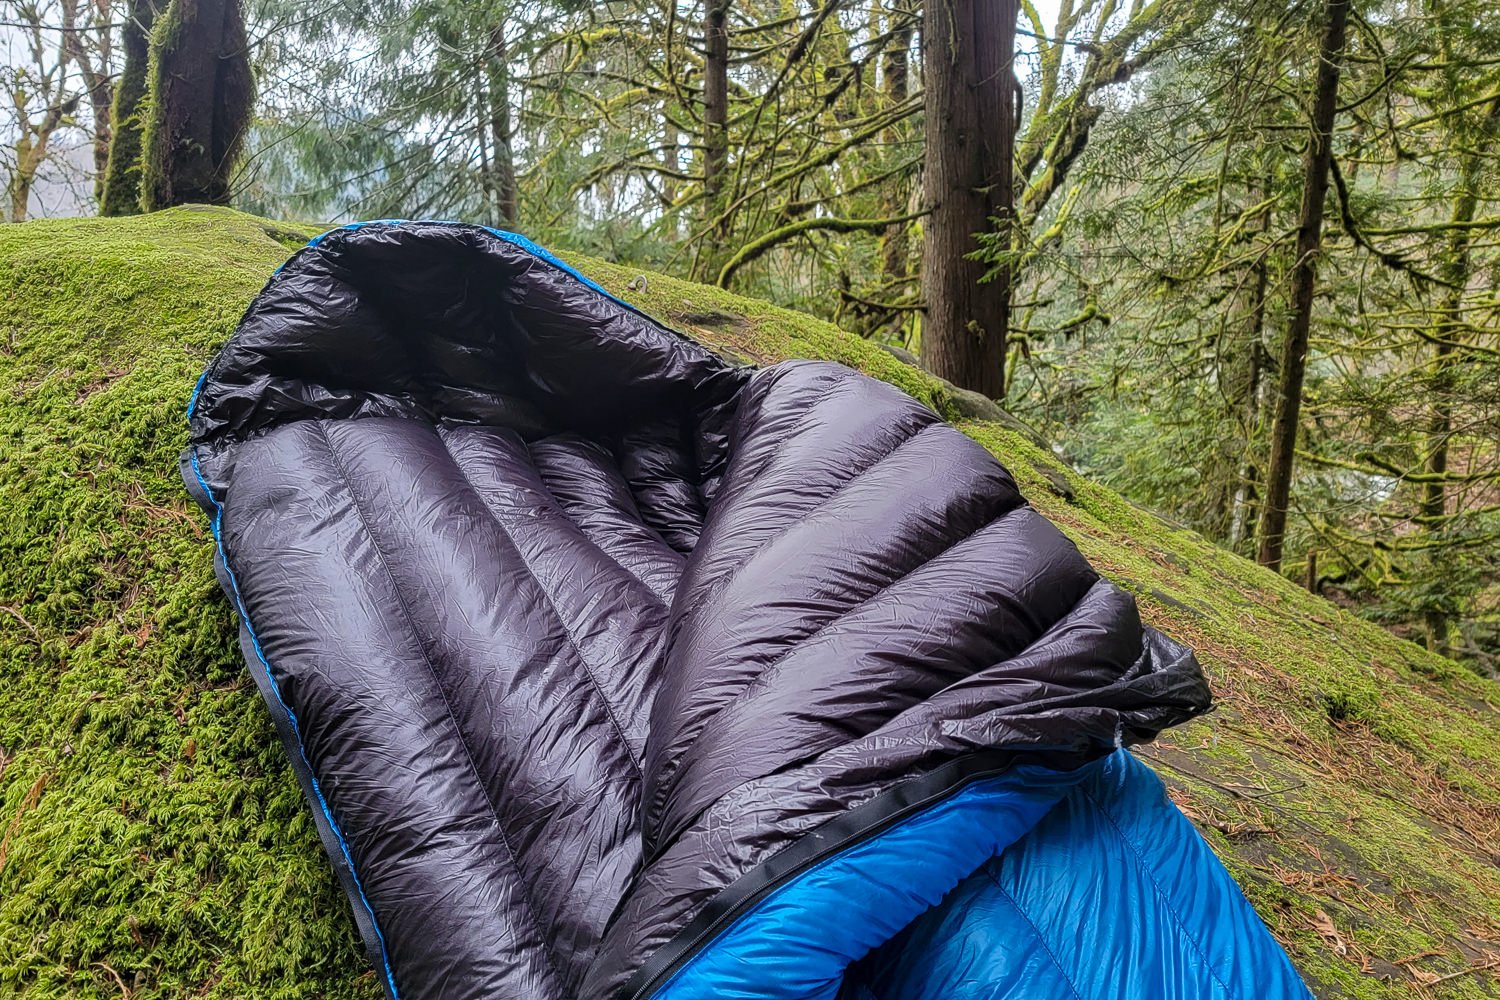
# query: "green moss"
{"type": "Point", "coordinates": [151, 831]}
{"type": "Point", "coordinates": [149, 827]}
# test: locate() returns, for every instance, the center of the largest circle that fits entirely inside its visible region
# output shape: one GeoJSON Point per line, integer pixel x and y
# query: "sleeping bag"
{"type": "Point", "coordinates": [614, 670]}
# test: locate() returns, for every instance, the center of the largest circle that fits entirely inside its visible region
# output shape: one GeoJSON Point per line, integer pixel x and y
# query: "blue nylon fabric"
{"type": "Point", "coordinates": [1113, 896]}
{"type": "Point", "coordinates": [796, 943]}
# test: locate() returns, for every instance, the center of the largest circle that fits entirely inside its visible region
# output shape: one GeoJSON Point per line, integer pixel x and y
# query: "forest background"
{"type": "Point", "coordinates": [1240, 261]}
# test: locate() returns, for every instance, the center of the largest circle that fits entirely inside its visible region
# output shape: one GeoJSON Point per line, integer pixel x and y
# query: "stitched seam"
{"type": "Point", "coordinates": [1165, 899]}
{"type": "Point", "coordinates": [756, 393]}
{"type": "Point", "coordinates": [583, 533]}
{"type": "Point", "coordinates": [589, 540]}
{"type": "Point", "coordinates": [671, 767]}
{"type": "Point", "coordinates": [649, 591]}
{"type": "Point", "coordinates": [588, 671]}
{"type": "Point", "coordinates": [832, 382]}
{"type": "Point", "coordinates": [354, 497]}
{"type": "Point", "coordinates": [780, 661]}
{"type": "Point", "coordinates": [1035, 930]}
{"type": "Point", "coordinates": [744, 692]}
{"type": "Point", "coordinates": [727, 575]}
{"type": "Point", "coordinates": [583, 536]}
{"type": "Point", "coordinates": [567, 515]}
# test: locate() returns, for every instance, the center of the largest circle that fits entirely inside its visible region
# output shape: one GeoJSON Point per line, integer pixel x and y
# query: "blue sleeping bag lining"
{"type": "Point", "coordinates": [1013, 889]}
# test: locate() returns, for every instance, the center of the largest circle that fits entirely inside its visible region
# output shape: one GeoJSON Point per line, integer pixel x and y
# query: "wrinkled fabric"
{"type": "Point", "coordinates": [583, 641]}
{"type": "Point", "coordinates": [1163, 917]}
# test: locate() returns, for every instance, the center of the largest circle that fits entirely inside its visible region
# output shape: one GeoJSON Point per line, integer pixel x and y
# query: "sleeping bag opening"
{"type": "Point", "coordinates": [615, 670]}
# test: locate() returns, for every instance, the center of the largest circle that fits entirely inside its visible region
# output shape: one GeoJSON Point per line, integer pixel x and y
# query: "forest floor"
{"type": "Point", "coordinates": [154, 843]}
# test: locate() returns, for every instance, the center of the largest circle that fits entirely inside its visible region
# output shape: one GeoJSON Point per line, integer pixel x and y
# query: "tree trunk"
{"type": "Point", "coordinates": [1248, 401]}
{"type": "Point", "coordinates": [24, 175]}
{"type": "Point", "coordinates": [671, 161]}
{"type": "Point", "coordinates": [1293, 369]}
{"type": "Point", "coordinates": [715, 99]}
{"type": "Point", "coordinates": [1446, 329]}
{"type": "Point", "coordinates": [503, 163]}
{"type": "Point", "coordinates": [31, 153]}
{"type": "Point", "coordinates": [1435, 492]}
{"type": "Point", "coordinates": [967, 50]}
{"type": "Point", "coordinates": [1240, 525]}
{"type": "Point", "coordinates": [121, 193]}
{"type": "Point", "coordinates": [200, 100]}
{"type": "Point", "coordinates": [895, 244]}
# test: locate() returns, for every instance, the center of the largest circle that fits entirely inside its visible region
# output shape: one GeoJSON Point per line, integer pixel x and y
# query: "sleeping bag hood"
{"type": "Point", "coordinates": [615, 670]}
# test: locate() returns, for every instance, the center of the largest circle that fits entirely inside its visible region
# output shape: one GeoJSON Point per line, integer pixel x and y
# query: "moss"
{"type": "Point", "coordinates": [151, 835]}
{"type": "Point", "coordinates": [149, 827]}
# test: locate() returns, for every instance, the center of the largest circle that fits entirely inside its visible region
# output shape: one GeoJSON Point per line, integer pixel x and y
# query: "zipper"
{"type": "Point", "coordinates": [732, 913]}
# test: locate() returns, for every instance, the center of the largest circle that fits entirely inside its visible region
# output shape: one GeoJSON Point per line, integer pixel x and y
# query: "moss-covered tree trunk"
{"type": "Point", "coordinates": [1246, 384]}
{"type": "Point", "coordinates": [199, 99]}
{"type": "Point", "coordinates": [121, 193]}
{"type": "Point", "coordinates": [967, 50]}
{"type": "Point", "coordinates": [1293, 367]}
{"type": "Point", "coordinates": [1446, 335]}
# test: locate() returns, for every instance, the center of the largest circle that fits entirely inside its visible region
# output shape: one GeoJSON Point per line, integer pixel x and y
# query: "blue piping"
{"type": "Point", "coordinates": [514, 239]}
{"type": "Point", "coordinates": [197, 388]}
{"type": "Point", "coordinates": [239, 605]}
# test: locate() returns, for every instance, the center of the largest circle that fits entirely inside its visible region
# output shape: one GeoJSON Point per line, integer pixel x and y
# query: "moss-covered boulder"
{"type": "Point", "coordinates": [154, 844]}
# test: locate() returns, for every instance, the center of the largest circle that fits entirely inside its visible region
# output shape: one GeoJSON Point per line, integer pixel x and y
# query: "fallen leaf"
{"type": "Point", "coordinates": [1323, 924]}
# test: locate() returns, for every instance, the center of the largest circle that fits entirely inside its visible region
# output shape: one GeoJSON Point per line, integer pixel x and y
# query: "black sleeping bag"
{"type": "Point", "coordinates": [614, 670]}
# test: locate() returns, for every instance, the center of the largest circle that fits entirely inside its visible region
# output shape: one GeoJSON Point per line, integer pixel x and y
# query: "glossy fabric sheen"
{"type": "Point", "coordinates": [797, 943]}
{"type": "Point", "coordinates": [577, 633]}
{"type": "Point", "coordinates": [1113, 894]}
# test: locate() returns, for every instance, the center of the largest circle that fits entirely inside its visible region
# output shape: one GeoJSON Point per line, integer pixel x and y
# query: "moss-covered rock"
{"type": "Point", "coordinates": [153, 842]}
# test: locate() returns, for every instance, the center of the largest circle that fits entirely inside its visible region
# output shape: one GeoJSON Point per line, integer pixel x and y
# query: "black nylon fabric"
{"type": "Point", "coordinates": [571, 626]}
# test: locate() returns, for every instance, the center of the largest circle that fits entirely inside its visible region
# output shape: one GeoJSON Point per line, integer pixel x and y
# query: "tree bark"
{"type": "Point", "coordinates": [715, 99]}
{"type": "Point", "coordinates": [1446, 329]}
{"type": "Point", "coordinates": [1293, 368]}
{"type": "Point", "coordinates": [503, 163]}
{"type": "Point", "coordinates": [121, 194]}
{"type": "Point", "coordinates": [895, 246]}
{"type": "Point", "coordinates": [967, 50]}
{"type": "Point", "coordinates": [201, 92]}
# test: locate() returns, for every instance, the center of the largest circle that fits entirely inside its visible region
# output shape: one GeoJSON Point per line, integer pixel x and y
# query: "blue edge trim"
{"type": "Point", "coordinates": [926, 854]}
{"type": "Point", "coordinates": [239, 605]}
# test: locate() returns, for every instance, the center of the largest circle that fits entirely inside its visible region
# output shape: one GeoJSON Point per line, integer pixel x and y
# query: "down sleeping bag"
{"type": "Point", "coordinates": [614, 670]}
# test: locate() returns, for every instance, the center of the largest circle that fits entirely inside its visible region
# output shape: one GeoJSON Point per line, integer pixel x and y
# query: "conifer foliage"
{"type": "Point", "coordinates": [1241, 260]}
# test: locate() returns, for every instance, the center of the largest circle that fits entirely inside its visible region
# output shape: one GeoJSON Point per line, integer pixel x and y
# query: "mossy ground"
{"type": "Point", "coordinates": [154, 844]}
